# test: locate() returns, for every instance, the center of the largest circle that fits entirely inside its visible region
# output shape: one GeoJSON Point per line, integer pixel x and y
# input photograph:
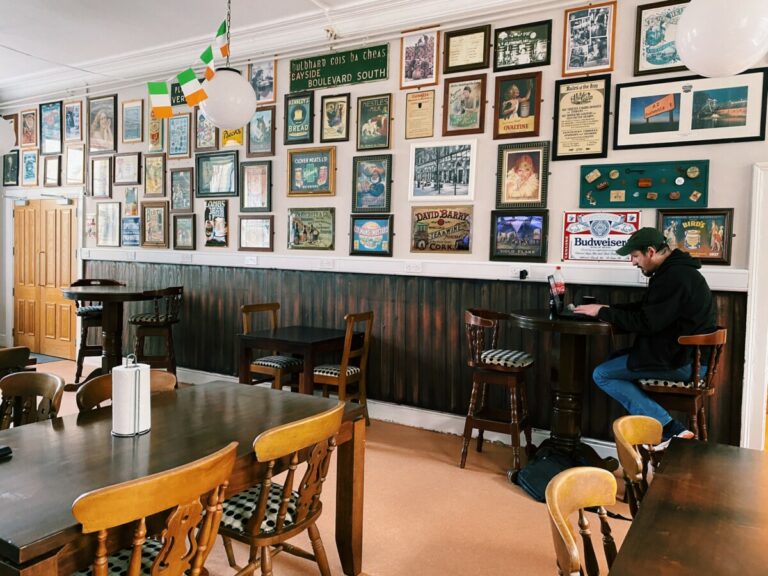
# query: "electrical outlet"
{"type": "Point", "coordinates": [85, 253]}
{"type": "Point", "coordinates": [326, 264]}
{"type": "Point", "coordinates": [514, 272]}
{"type": "Point", "coordinates": [185, 258]}
{"type": "Point", "coordinates": [413, 267]}
{"type": "Point", "coordinates": [251, 260]}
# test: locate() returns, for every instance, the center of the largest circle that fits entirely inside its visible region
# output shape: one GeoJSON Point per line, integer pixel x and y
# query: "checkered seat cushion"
{"type": "Point", "coordinates": [151, 318]}
{"type": "Point", "coordinates": [239, 508]}
{"type": "Point", "coordinates": [89, 311]}
{"type": "Point", "coordinates": [506, 358]}
{"type": "Point", "coordinates": [334, 370]}
{"type": "Point", "coordinates": [117, 564]}
{"type": "Point", "coordinates": [670, 383]}
{"type": "Point", "coordinates": [281, 362]}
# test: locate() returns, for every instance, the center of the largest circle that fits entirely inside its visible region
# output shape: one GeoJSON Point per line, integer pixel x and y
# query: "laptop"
{"type": "Point", "coordinates": [561, 310]}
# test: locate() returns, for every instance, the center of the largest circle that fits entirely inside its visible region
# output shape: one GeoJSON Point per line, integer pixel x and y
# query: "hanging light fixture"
{"type": "Point", "coordinates": [7, 136]}
{"type": "Point", "coordinates": [231, 99]}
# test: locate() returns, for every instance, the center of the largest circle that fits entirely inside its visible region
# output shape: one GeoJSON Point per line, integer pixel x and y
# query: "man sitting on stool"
{"type": "Point", "coordinates": [678, 302]}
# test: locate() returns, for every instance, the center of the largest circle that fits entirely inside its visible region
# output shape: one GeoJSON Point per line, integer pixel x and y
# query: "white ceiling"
{"type": "Point", "coordinates": [52, 48]}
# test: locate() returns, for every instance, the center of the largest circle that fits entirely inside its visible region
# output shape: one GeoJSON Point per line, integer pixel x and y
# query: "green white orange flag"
{"type": "Point", "coordinates": [190, 85]}
{"type": "Point", "coordinates": [221, 39]}
{"type": "Point", "coordinates": [207, 58]}
{"type": "Point", "coordinates": [160, 99]}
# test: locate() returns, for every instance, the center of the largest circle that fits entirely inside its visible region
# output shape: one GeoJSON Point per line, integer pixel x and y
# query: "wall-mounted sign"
{"type": "Point", "coordinates": [177, 95]}
{"type": "Point", "coordinates": [340, 68]}
{"type": "Point", "coordinates": [597, 235]}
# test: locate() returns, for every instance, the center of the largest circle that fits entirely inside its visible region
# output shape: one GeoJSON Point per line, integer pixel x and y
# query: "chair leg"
{"type": "Point", "coordinates": [703, 436]}
{"type": "Point", "coordinates": [319, 550]}
{"type": "Point", "coordinates": [81, 354]}
{"type": "Point", "coordinates": [266, 561]}
{"type": "Point", "coordinates": [514, 427]}
{"type": "Point", "coordinates": [527, 420]}
{"type": "Point", "coordinates": [277, 383]}
{"type": "Point", "coordinates": [468, 425]}
{"type": "Point", "coordinates": [230, 552]}
{"type": "Point", "coordinates": [694, 423]}
{"type": "Point", "coordinates": [480, 406]}
{"type": "Point", "coordinates": [171, 351]}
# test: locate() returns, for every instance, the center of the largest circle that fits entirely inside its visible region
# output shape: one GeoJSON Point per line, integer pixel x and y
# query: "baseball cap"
{"type": "Point", "coordinates": [641, 240]}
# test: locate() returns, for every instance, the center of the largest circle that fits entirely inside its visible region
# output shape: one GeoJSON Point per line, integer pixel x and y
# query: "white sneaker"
{"type": "Point", "coordinates": [685, 435]}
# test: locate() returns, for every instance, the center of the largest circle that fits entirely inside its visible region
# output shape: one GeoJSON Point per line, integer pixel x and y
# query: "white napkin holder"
{"type": "Point", "coordinates": [131, 410]}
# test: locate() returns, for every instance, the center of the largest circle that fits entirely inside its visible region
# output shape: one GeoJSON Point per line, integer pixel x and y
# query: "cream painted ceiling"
{"type": "Point", "coordinates": [54, 48]}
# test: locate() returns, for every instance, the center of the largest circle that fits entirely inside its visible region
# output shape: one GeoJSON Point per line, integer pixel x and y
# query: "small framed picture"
{"type": "Point", "coordinates": [655, 49]}
{"type": "Point", "coordinates": [73, 121]}
{"type": "Point", "coordinates": [312, 171]}
{"type": "Point", "coordinates": [182, 185]}
{"type": "Point", "coordinates": [216, 174]}
{"type": "Point", "coordinates": [102, 124]}
{"type": "Point", "coordinates": [467, 49]}
{"type": "Point", "coordinates": [101, 177]}
{"type": "Point", "coordinates": [703, 233]}
{"type": "Point", "coordinates": [127, 168]}
{"type": "Point", "coordinates": [50, 128]}
{"type": "Point", "coordinates": [155, 134]}
{"type": "Point", "coordinates": [442, 171]}
{"type": "Point", "coordinates": [334, 122]}
{"type": "Point", "coordinates": [581, 118]}
{"type": "Point", "coordinates": [519, 235]}
{"type": "Point", "coordinates": [257, 233]}
{"type": "Point", "coordinates": [216, 223]}
{"type": "Point", "coordinates": [133, 121]}
{"type": "Point", "coordinates": [522, 46]}
{"type": "Point", "coordinates": [441, 229]}
{"type": "Point", "coordinates": [154, 175]}
{"type": "Point", "coordinates": [29, 129]}
{"type": "Point", "coordinates": [311, 228]}
{"type": "Point", "coordinates": [179, 129]}
{"type": "Point", "coordinates": [75, 165]}
{"type": "Point", "coordinates": [232, 138]}
{"type": "Point", "coordinates": [372, 183]}
{"type": "Point", "coordinates": [522, 175]}
{"type": "Point", "coordinates": [419, 58]}
{"type": "Point", "coordinates": [517, 106]}
{"type": "Point", "coordinates": [261, 133]}
{"type": "Point", "coordinates": [206, 133]}
{"type": "Point", "coordinates": [29, 160]}
{"type": "Point", "coordinates": [299, 110]}
{"type": "Point", "coordinates": [51, 171]}
{"type": "Point", "coordinates": [131, 206]}
{"type": "Point", "coordinates": [13, 119]}
{"type": "Point", "coordinates": [131, 230]}
{"type": "Point", "coordinates": [420, 114]}
{"type": "Point", "coordinates": [263, 77]}
{"type": "Point", "coordinates": [154, 224]}
{"type": "Point", "coordinates": [374, 114]}
{"type": "Point", "coordinates": [370, 235]}
{"type": "Point", "coordinates": [464, 105]}
{"type": "Point", "coordinates": [256, 186]}
{"type": "Point", "coordinates": [588, 39]}
{"type": "Point", "coordinates": [108, 224]}
{"type": "Point", "coordinates": [11, 168]}
{"type": "Point", "coordinates": [184, 237]}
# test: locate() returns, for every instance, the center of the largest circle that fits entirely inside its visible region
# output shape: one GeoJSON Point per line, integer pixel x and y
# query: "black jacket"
{"type": "Point", "coordinates": [678, 302]}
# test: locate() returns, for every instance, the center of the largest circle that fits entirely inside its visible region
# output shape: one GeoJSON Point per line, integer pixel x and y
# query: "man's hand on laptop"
{"type": "Point", "coordinates": [588, 309]}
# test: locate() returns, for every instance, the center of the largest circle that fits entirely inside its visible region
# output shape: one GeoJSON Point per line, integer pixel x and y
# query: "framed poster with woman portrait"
{"type": "Point", "coordinates": [261, 133]}
{"type": "Point", "coordinates": [522, 46]}
{"type": "Point", "coordinates": [184, 236]}
{"type": "Point", "coordinates": [102, 125]}
{"type": "Point", "coordinates": [464, 105]}
{"type": "Point", "coordinates": [419, 58]}
{"type": "Point", "coordinates": [50, 128]}
{"type": "Point", "coordinates": [467, 49]}
{"type": "Point", "coordinates": [154, 224]}
{"type": "Point", "coordinates": [179, 129]}
{"type": "Point", "coordinates": [581, 118]}
{"type": "Point", "coordinates": [374, 114]}
{"type": "Point", "coordinates": [519, 235]}
{"type": "Point", "coordinates": [518, 106]}
{"type": "Point", "coordinates": [257, 233]}
{"type": "Point", "coordinates": [334, 121]}
{"type": "Point", "coordinates": [73, 121]}
{"type": "Point", "coordinates": [372, 183]}
{"type": "Point", "coordinates": [299, 111]}
{"type": "Point", "coordinates": [182, 186]}
{"type": "Point", "coordinates": [28, 129]}
{"type": "Point", "coordinates": [704, 233]}
{"type": "Point", "coordinates": [588, 39]}
{"type": "Point", "coordinates": [522, 175]}
{"type": "Point", "coordinates": [256, 186]}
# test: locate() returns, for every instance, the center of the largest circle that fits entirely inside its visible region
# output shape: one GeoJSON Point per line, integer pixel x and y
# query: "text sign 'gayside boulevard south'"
{"type": "Point", "coordinates": [340, 68]}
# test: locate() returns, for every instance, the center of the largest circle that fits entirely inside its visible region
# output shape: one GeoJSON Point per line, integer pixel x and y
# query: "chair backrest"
{"type": "Point", "coordinates": [247, 310]}
{"type": "Point", "coordinates": [354, 349]}
{"type": "Point", "coordinates": [482, 329]}
{"type": "Point", "coordinates": [576, 489]}
{"type": "Point", "coordinates": [316, 433]}
{"type": "Point", "coordinates": [13, 359]}
{"type": "Point", "coordinates": [93, 282]}
{"type": "Point", "coordinates": [632, 433]}
{"type": "Point", "coordinates": [20, 392]}
{"type": "Point", "coordinates": [711, 347]}
{"type": "Point", "coordinates": [167, 303]}
{"type": "Point", "coordinates": [180, 489]}
{"type": "Point", "coordinates": [99, 389]}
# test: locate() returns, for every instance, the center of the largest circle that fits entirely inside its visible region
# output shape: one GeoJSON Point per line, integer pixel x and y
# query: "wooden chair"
{"type": "Point", "coordinates": [90, 317]}
{"type": "Point", "coordinates": [190, 527]}
{"type": "Point", "coordinates": [354, 363]}
{"type": "Point", "coordinates": [632, 433]}
{"type": "Point", "coordinates": [14, 359]}
{"type": "Point", "coordinates": [577, 489]}
{"type": "Point", "coordinates": [492, 365]}
{"type": "Point", "coordinates": [158, 323]}
{"type": "Point", "coordinates": [276, 366]}
{"type": "Point", "coordinates": [99, 390]}
{"type": "Point", "coordinates": [20, 392]}
{"type": "Point", "coordinates": [268, 514]}
{"type": "Point", "coordinates": [690, 396]}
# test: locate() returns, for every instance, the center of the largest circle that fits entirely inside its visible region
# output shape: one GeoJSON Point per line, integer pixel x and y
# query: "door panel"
{"type": "Point", "coordinates": [26, 293]}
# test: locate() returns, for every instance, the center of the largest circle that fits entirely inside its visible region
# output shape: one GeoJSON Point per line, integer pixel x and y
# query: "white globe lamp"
{"type": "Point", "coordinates": [7, 136]}
{"type": "Point", "coordinates": [718, 38]}
{"type": "Point", "coordinates": [231, 100]}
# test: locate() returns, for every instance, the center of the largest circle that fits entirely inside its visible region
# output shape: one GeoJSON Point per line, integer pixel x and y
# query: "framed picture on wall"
{"type": "Point", "coordinates": [312, 171]}
{"type": "Point", "coordinates": [50, 128]}
{"type": "Point", "coordinates": [522, 175]}
{"type": "Point", "coordinates": [155, 133]}
{"type": "Point", "coordinates": [299, 111]}
{"type": "Point", "coordinates": [179, 129]}
{"type": "Point", "coordinates": [263, 77]}
{"type": "Point", "coordinates": [154, 224]}
{"type": "Point", "coordinates": [131, 230]}
{"type": "Point", "coordinates": [108, 224]}
{"type": "Point", "coordinates": [522, 46]}
{"type": "Point", "coordinates": [11, 168]}
{"type": "Point", "coordinates": [154, 175]}
{"type": "Point", "coordinates": [28, 129]}
{"type": "Point", "coordinates": [374, 114]}
{"type": "Point", "coordinates": [127, 168]}
{"type": "Point", "coordinates": [442, 171]}
{"type": "Point", "coordinates": [74, 172]}
{"type": "Point", "coordinates": [588, 39]}
{"type": "Point", "coordinates": [372, 183]}
{"type": "Point", "coordinates": [133, 121]}
{"type": "Point", "coordinates": [73, 121]}
{"type": "Point", "coordinates": [182, 186]}
{"type": "Point", "coordinates": [101, 177]}
{"type": "Point", "coordinates": [256, 186]}
{"type": "Point", "coordinates": [13, 120]}
{"type": "Point", "coordinates": [257, 233]}
{"type": "Point", "coordinates": [52, 171]}
{"type": "Point", "coordinates": [311, 228]}
{"type": "Point", "coordinates": [580, 129]}
{"type": "Point", "coordinates": [334, 118]}
{"type": "Point", "coordinates": [206, 133]}
{"type": "Point", "coordinates": [370, 235]}
{"type": "Point", "coordinates": [517, 106]}
{"type": "Point", "coordinates": [420, 114]}
{"type": "Point", "coordinates": [232, 138]}
{"type": "Point", "coordinates": [216, 173]}
{"type": "Point", "coordinates": [703, 233]}
{"type": "Point", "coordinates": [184, 233]}
{"type": "Point", "coordinates": [441, 229]}
{"type": "Point", "coordinates": [261, 133]}
{"type": "Point", "coordinates": [655, 49]}
{"type": "Point", "coordinates": [102, 124]}
{"type": "Point", "coordinates": [464, 105]}
{"type": "Point", "coordinates": [216, 223]}
{"type": "Point", "coordinates": [131, 206]}
{"type": "Point", "coordinates": [467, 49]}
{"type": "Point", "coordinates": [29, 159]}
{"type": "Point", "coordinates": [419, 58]}
{"type": "Point", "coordinates": [519, 235]}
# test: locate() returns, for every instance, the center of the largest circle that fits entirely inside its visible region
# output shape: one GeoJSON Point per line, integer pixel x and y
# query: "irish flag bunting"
{"type": "Point", "coordinates": [221, 39]}
{"type": "Point", "coordinates": [160, 99]}
{"type": "Point", "coordinates": [207, 58]}
{"type": "Point", "coordinates": [190, 85]}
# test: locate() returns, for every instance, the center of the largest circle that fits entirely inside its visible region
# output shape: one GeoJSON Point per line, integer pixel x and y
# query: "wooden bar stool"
{"type": "Point", "coordinates": [491, 365]}
{"type": "Point", "coordinates": [158, 323]}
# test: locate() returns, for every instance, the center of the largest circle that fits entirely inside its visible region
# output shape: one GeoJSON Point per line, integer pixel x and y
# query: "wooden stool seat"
{"type": "Point", "coordinates": [158, 323]}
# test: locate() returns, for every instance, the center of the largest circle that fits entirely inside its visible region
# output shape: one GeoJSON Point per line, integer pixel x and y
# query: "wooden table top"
{"type": "Point", "coordinates": [111, 293]}
{"type": "Point", "coordinates": [305, 335]}
{"type": "Point", "coordinates": [57, 460]}
{"type": "Point", "coordinates": [540, 319]}
{"type": "Point", "coordinates": [706, 512]}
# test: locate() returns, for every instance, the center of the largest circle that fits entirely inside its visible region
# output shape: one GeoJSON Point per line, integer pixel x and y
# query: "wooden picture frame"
{"type": "Point", "coordinates": [184, 232]}
{"type": "Point", "coordinates": [312, 171]}
{"type": "Point", "coordinates": [74, 172]}
{"type": "Point", "coordinates": [261, 133]}
{"type": "Point", "coordinates": [52, 171]}
{"type": "Point", "coordinates": [256, 186]}
{"type": "Point", "coordinates": [522, 46]}
{"type": "Point", "coordinates": [217, 174]}
{"type": "Point", "coordinates": [589, 39]}
{"type": "Point", "coordinates": [108, 224]}
{"type": "Point", "coordinates": [13, 119]}
{"type": "Point", "coordinates": [127, 168]}
{"type": "Point", "coordinates": [299, 118]}
{"type": "Point", "coordinates": [28, 129]}
{"type": "Point", "coordinates": [442, 171]}
{"type": "Point", "coordinates": [51, 131]}
{"type": "Point", "coordinates": [206, 133]}
{"type": "Point", "coordinates": [311, 228]}
{"type": "Point", "coordinates": [73, 121]}
{"type": "Point", "coordinates": [257, 233]}
{"type": "Point", "coordinates": [155, 134]}
{"type": "Point", "coordinates": [102, 124]}
{"type": "Point", "coordinates": [467, 49]}
{"type": "Point", "coordinates": [101, 177]}
{"type": "Point", "coordinates": [655, 50]}
{"type": "Point", "coordinates": [464, 105]}
{"type": "Point", "coordinates": [179, 136]}
{"type": "Point", "coordinates": [132, 121]}
{"type": "Point", "coordinates": [131, 205]}
{"type": "Point", "coordinates": [519, 235]}
{"type": "Point", "coordinates": [372, 183]}
{"type": "Point", "coordinates": [419, 58]}
{"type": "Point", "coordinates": [517, 108]}
{"type": "Point", "coordinates": [420, 114]}
{"type": "Point", "coordinates": [182, 189]}
{"type": "Point", "coordinates": [522, 175]}
{"type": "Point", "coordinates": [704, 233]}
{"type": "Point", "coordinates": [374, 117]}
{"type": "Point", "coordinates": [580, 129]}
{"type": "Point", "coordinates": [263, 78]}
{"type": "Point", "coordinates": [154, 224]}
{"type": "Point", "coordinates": [154, 175]}
{"type": "Point", "coordinates": [334, 118]}
{"type": "Point", "coordinates": [29, 167]}
{"type": "Point", "coordinates": [370, 234]}
{"type": "Point", "coordinates": [11, 168]}
{"type": "Point", "coordinates": [445, 229]}
{"type": "Point", "coordinates": [216, 215]}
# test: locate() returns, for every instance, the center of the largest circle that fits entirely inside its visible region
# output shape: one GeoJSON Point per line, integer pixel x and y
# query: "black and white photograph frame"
{"type": "Point", "coordinates": [442, 171]}
{"type": "Point", "coordinates": [257, 233]}
{"type": "Point", "coordinates": [589, 39]}
{"type": "Point", "coordinates": [419, 58]}
{"type": "Point", "coordinates": [522, 46]}
{"type": "Point", "coordinates": [108, 224]}
{"type": "Point", "coordinates": [655, 48]}
{"type": "Point", "coordinates": [519, 235]}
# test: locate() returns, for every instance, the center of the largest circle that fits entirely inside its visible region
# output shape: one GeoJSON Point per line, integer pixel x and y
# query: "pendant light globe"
{"type": "Point", "coordinates": [231, 100]}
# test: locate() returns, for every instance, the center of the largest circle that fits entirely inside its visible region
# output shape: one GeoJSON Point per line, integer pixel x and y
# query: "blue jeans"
{"type": "Point", "coordinates": [615, 379]}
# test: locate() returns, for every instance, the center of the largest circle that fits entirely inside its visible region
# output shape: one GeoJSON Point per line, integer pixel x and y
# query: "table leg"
{"type": "Point", "coordinates": [308, 382]}
{"type": "Point", "coordinates": [349, 499]}
{"type": "Point", "coordinates": [111, 336]}
{"type": "Point", "coordinates": [245, 363]}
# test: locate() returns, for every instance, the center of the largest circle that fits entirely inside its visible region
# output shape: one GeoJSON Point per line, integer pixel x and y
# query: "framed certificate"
{"type": "Point", "coordinates": [420, 114]}
{"type": "Point", "coordinates": [467, 49]}
{"type": "Point", "coordinates": [581, 118]}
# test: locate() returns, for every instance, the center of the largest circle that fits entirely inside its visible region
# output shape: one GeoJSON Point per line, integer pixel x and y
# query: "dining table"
{"type": "Point", "coordinates": [55, 461]}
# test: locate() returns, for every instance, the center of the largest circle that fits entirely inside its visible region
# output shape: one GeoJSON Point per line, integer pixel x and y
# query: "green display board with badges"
{"type": "Point", "coordinates": [680, 184]}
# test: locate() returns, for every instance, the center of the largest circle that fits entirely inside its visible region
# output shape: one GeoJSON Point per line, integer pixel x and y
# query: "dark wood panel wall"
{"type": "Point", "coordinates": [418, 356]}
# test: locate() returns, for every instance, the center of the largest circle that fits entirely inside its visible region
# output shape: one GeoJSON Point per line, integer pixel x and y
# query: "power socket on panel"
{"type": "Point", "coordinates": [326, 264]}
{"type": "Point", "coordinates": [185, 258]}
{"type": "Point", "coordinates": [413, 267]}
{"type": "Point", "coordinates": [251, 260]}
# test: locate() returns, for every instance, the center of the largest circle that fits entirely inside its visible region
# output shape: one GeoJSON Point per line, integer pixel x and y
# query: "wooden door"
{"type": "Point", "coordinates": [26, 292]}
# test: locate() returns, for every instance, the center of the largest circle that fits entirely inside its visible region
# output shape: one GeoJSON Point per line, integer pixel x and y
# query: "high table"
{"type": "Point", "coordinates": [57, 460]}
{"type": "Point", "coordinates": [307, 341]}
{"type": "Point", "coordinates": [706, 512]}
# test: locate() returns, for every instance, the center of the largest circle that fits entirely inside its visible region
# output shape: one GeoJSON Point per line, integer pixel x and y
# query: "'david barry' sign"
{"type": "Point", "coordinates": [340, 68]}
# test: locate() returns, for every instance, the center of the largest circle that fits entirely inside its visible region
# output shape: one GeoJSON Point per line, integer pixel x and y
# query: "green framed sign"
{"type": "Point", "coordinates": [340, 68]}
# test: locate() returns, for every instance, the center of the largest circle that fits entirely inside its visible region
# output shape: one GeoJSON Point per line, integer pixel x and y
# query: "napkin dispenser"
{"type": "Point", "coordinates": [131, 410]}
